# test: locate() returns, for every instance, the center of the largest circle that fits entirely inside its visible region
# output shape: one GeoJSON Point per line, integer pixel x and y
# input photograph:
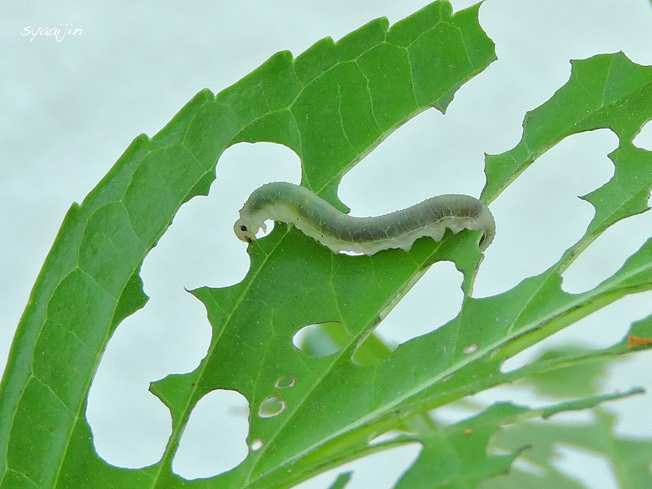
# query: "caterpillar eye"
{"type": "Point", "coordinates": [242, 231]}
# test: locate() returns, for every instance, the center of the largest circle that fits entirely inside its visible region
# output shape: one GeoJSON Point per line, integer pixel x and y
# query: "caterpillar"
{"type": "Point", "coordinates": [293, 204]}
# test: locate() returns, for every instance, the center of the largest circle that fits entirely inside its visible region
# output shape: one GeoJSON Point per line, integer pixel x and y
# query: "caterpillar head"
{"type": "Point", "coordinates": [245, 231]}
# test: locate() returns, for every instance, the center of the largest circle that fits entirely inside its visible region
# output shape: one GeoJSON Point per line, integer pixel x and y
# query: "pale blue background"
{"type": "Point", "coordinates": [69, 109]}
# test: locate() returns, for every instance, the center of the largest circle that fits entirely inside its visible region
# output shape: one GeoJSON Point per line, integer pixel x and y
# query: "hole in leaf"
{"type": "Point", "coordinates": [256, 445]}
{"type": "Point", "coordinates": [285, 382]}
{"type": "Point", "coordinates": [205, 224]}
{"type": "Point", "coordinates": [130, 426]}
{"type": "Point", "coordinates": [271, 406]}
{"type": "Point", "coordinates": [644, 138]}
{"type": "Point", "coordinates": [321, 340]}
{"type": "Point", "coordinates": [431, 302]}
{"type": "Point", "coordinates": [215, 438]}
{"type": "Point", "coordinates": [378, 471]}
{"type": "Point", "coordinates": [539, 216]}
{"type": "Point", "coordinates": [432, 163]}
{"type": "Point", "coordinates": [171, 334]}
{"type": "Point", "coordinates": [607, 254]}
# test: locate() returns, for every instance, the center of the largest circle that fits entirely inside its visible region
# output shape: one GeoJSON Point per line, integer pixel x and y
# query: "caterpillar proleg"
{"type": "Point", "coordinates": [286, 202]}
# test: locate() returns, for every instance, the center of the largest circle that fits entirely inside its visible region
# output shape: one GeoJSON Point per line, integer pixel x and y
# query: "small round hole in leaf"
{"type": "Point", "coordinates": [271, 406]}
{"type": "Point", "coordinates": [285, 382]}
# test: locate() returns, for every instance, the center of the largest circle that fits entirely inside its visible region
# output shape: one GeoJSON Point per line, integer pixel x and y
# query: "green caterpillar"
{"type": "Point", "coordinates": [286, 202]}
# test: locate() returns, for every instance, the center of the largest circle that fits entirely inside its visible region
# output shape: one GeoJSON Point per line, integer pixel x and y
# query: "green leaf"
{"type": "Point", "coordinates": [630, 457]}
{"type": "Point", "coordinates": [331, 105]}
{"type": "Point", "coordinates": [578, 370]}
{"type": "Point", "coordinates": [461, 456]}
{"type": "Point", "coordinates": [578, 378]}
{"type": "Point", "coordinates": [457, 457]}
{"type": "Point", "coordinates": [341, 481]}
{"type": "Point", "coordinates": [605, 91]}
{"type": "Point", "coordinates": [461, 358]}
